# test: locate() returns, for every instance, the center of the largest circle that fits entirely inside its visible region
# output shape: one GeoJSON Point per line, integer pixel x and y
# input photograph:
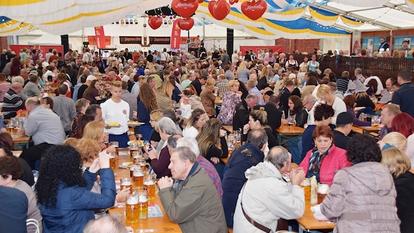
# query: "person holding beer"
{"type": "Point", "coordinates": [192, 201]}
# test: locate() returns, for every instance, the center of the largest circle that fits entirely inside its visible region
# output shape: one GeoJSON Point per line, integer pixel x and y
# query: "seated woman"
{"type": "Point", "coordinates": [208, 97]}
{"type": "Point", "coordinates": [95, 131]}
{"type": "Point", "coordinates": [81, 107]}
{"type": "Point", "coordinates": [362, 100]}
{"type": "Point", "coordinates": [146, 104]}
{"type": "Point", "coordinates": [10, 171]}
{"type": "Point", "coordinates": [155, 116]}
{"type": "Point", "coordinates": [92, 113]}
{"type": "Point", "coordinates": [197, 120]}
{"type": "Point", "coordinates": [213, 145]}
{"type": "Point", "coordinates": [349, 101]}
{"type": "Point", "coordinates": [258, 120]}
{"type": "Point", "coordinates": [160, 161]}
{"type": "Point", "coordinates": [65, 200]}
{"type": "Point", "coordinates": [296, 112]}
{"type": "Point", "coordinates": [231, 98]}
{"type": "Point", "coordinates": [6, 146]}
{"type": "Point", "coordinates": [362, 197]}
{"type": "Point", "coordinates": [403, 123]}
{"type": "Point", "coordinates": [325, 159]}
{"type": "Point", "coordinates": [394, 139]}
{"type": "Point", "coordinates": [399, 166]}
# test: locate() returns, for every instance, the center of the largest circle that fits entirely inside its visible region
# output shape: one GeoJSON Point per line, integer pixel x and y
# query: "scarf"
{"type": "Point", "coordinates": [315, 162]}
{"type": "Point", "coordinates": [179, 184]}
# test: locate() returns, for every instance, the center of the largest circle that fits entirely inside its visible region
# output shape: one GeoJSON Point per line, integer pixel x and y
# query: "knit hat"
{"type": "Point", "coordinates": [344, 118]}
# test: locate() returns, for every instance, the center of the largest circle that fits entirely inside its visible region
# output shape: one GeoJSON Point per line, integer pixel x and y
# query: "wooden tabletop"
{"type": "Point", "coordinates": [152, 225]}
{"type": "Point", "coordinates": [21, 139]}
{"type": "Point", "coordinates": [290, 130]}
{"type": "Point", "coordinates": [361, 129]}
{"type": "Point", "coordinates": [308, 222]}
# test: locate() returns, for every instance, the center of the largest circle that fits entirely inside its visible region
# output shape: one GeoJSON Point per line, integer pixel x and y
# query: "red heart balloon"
{"type": "Point", "coordinates": [233, 1]}
{"type": "Point", "coordinates": [184, 8]}
{"type": "Point", "coordinates": [200, 1]}
{"type": "Point", "coordinates": [255, 9]}
{"type": "Point", "coordinates": [155, 22]}
{"type": "Point", "coordinates": [221, 9]}
{"type": "Point", "coordinates": [211, 6]}
{"type": "Point", "coordinates": [186, 23]}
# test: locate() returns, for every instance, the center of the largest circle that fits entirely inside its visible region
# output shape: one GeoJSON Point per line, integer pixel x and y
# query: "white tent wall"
{"type": "Point", "coordinates": [335, 44]}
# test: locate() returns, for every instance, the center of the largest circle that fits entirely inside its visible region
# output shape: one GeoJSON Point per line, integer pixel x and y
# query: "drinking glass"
{"type": "Point", "coordinates": [143, 204]}
{"type": "Point", "coordinates": [149, 185]}
{"type": "Point", "coordinates": [138, 178]}
{"type": "Point", "coordinates": [132, 209]}
{"type": "Point", "coordinates": [126, 183]}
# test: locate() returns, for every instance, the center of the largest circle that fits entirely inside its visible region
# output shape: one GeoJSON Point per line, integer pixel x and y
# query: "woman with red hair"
{"type": "Point", "coordinates": [403, 123]}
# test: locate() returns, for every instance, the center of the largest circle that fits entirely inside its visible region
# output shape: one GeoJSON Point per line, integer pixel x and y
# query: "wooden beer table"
{"type": "Point", "coordinates": [308, 223]}
{"type": "Point", "coordinates": [21, 139]}
{"type": "Point", "coordinates": [153, 225]}
{"type": "Point", "coordinates": [288, 130]}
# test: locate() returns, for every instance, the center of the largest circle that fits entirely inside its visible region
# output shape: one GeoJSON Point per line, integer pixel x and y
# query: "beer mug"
{"type": "Point", "coordinates": [138, 178]}
{"type": "Point", "coordinates": [149, 185]}
{"type": "Point", "coordinates": [322, 191]}
{"type": "Point", "coordinates": [143, 165]}
{"type": "Point", "coordinates": [143, 205]}
{"type": "Point", "coordinates": [132, 209]}
{"type": "Point", "coordinates": [132, 169]}
{"type": "Point", "coordinates": [116, 145]}
{"type": "Point", "coordinates": [126, 184]}
{"type": "Point", "coordinates": [114, 161]}
{"type": "Point", "coordinates": [307, 191]}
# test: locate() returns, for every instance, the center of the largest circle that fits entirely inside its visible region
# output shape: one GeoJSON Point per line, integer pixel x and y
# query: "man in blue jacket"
{"type": "Point", "coordinates": [248, 155]}
{"type": "Point", "coordinates": [13, 210]}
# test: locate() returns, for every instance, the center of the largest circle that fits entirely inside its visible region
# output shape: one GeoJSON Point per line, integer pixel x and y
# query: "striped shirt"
{"type": "Point", "coordinates": [12, 103]}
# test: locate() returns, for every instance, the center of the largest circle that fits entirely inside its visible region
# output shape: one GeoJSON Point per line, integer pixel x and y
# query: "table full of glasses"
{"type": "Point", "coordinates": [142, 210]}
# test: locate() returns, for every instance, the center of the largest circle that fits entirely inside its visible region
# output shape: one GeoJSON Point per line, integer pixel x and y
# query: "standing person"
{"type": "Point", "coordinates": [383, 46]}
{"type": "Point", "coordinates": [248, 155]}
{"type": "Point", "coordinates": [191, 199]}
{"type": "Point", "coordinates": [266, 196]}
{"type": "Point", "coordinates": [146, 103]}
{"type": "Point", "coordinates": [326, 95]}
{"type": "Point", "coordinates": [63, 192]}
{"type": "Point", "coordinates": [362, 197]}
{"type": "Point", "coordinates": [65, 108]}
{"type": "Point", "coordinates": [115, 110]}
{"type": "Point", "coordinates": [400, 168]}
{"type": "Point", "coordinates": [404, 96]}
{"type": "Point", "coordinates": [231, 99]}
{"type": "Point", "coordinates": [313, 65]}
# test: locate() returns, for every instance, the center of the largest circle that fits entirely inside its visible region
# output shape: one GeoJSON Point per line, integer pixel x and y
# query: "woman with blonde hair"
{"type": "Point", "coordinates": [208, 97]}
{"type": "Point", "coordinates": [325, 94]}
{"type": "Point", "coordinates": [243, 72]}
{"type": "Point", "coordinates": [212, 143]}
{"type": "Point", "coordinates": [95, 131]}
{"type": "Point", "coordinates": [231, 99]}
{"type": "Point", "coordinates": [400, 168]}
{"type": "Point", "coordinates": [394, 139]}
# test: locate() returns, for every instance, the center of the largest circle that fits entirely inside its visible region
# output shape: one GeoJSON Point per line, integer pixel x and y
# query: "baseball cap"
{"type": "Point", "coordinates": [344, 118]}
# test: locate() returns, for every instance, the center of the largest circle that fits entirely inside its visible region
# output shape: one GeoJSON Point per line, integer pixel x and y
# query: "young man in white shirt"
{"type": "Point", "coordinates": [115, 112]}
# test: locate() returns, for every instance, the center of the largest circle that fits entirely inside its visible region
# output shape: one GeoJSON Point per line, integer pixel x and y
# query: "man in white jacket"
{"type": "Point", "coordinates": [266, 196]}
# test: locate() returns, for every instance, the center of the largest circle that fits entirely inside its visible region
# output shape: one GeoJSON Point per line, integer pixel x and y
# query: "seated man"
{"type": "Point", "coordinates": [248, 155]}
{"type": "Point", "coordinates": [105, 224]}
{"type": "Point", "coordinates": [12, 101]}
{"type": "Point", "coordinates": [191, 200]}
{"type": "Point", "coordinates": [387, 115]}
{"type": "Point", "coordinates": [241, 116]}
{"type": "Point", "coordinates": [13, 210]}
{"type": "Point", "coordinates": [344, 123]}
{"type": "Point", "coordinates": [42, 124]}
{"type": "Point", "coordinates": [267, 197]}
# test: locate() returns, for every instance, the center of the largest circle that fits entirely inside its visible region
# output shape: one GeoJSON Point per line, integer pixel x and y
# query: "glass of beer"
{"type": "Point", "coordinates": [143, 165]}
{"type": "Point", "coordinates": [149, 185]}
{"type": "Point", "coordinates": [116, 145]}
{"type": "Point", "coordinates": [126, 184]}
{"type": "Point", "coordinates": [114, 161]}
{"type": "Point", "coordinates": [307, 190]}
{"type": "Point", "coordinates": [131, 170]}
{"type": "Point", "coordinates": [132, 209]}
{"type": "Point", "coordinates": [143, 205]}
{"type": "Point", "coordinates": [322, 191]}
{"type": "Point", "coordinates": [138, 178]}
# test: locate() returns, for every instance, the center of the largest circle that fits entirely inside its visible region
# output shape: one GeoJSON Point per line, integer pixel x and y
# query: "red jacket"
{"type": "Point", "coordinates": [335, 160]}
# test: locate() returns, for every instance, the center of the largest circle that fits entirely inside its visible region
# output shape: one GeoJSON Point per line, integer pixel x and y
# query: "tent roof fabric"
{"type": "Point", "coordinates": [293, 19]}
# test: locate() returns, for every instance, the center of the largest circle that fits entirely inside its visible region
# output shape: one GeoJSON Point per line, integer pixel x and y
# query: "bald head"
{"type": "Point", "coordinates": [105, 224]}
{"type": "Point", "coordinates": [279, 157]}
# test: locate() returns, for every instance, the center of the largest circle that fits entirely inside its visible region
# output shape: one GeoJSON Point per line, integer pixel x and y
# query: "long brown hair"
{"type": "Point", "coordinates": [209, 135]}
{"type": "Point", "coordinates": [147, 96]}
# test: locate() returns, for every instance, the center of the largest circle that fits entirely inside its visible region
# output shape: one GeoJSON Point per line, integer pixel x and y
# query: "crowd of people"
{"type": "Point", "coordinates": [74, 105]}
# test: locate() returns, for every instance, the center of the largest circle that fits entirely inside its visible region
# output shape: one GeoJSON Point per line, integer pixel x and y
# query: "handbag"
{"type": "Point", "coordinates": [251, 220]}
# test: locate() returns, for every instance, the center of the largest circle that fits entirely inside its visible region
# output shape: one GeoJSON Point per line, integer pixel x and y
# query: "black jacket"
{"type": "Point", "coordinates": [241, 115]}
{"type": "Point", "coordinates": [340, 140]}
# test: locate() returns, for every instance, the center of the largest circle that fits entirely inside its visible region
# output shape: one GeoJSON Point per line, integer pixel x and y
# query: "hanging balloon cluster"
{"type": "Point", "coordinates": [219, 9]}
{"type": "Point", "coordinates": [160, 16]}
{"type": "Point", "coordinates": [253, 9]}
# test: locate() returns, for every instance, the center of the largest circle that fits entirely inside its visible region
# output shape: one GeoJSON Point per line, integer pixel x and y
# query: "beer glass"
{"type": "Point", "coordinates": [307, 190]}
{"type": "Point", "coordinates": [322, 191]}
{"type": "Point", "coordinates": [116, 145]}
{"type": "Point", "coordinates": [131, 170]}
{"type": "Point", "coordinates": [126, 184]}
{"type": "Point", "coordinates": [138, 178]}
{"type": "Point", "coordinates": [149, 185]}
{"type": "Point", "coordinates": [132, 209]}
{"type": "Point", "coordinates": [114, 161]}
{"type": "Point", "coordinates": [143, 205]}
